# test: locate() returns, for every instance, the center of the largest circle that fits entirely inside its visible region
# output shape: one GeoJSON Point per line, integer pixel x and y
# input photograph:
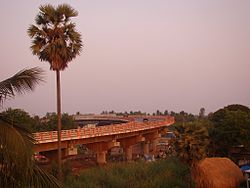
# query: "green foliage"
{"type": "Point", "coordinates": [67, 168]}
{"type": "Point", "coordinates": [54, 168]}
{"type": "Point", "coordinates": [231, 127]}
{"type": "Point", "coordinates": [202, 113]}
{"type": "Point", "coordinates": [15, 152]}
{"type": "Point", "coordinates": [164, 173]}
{"type": "Point", "coordinates": [17, 169]}
{"type": "Point", "coordinates": [158, 113]}
{"type": "Point", "coordinates": [166, 113]}
{"type": "Point", "coordinates": [20, 117]}
{"type": "Point", "coordinates": [219, 116]}
{"type": "Point", "coordinates": [191, 141]}
{"type": "Point", "coordinates": [183, 116]}
{"type": "Point", "coordinates": [35, 124]}
{"type": "Point", "coordinates": [50, 122]}
{"type": "Point", "coordinates": [23, 81]}
{"type": "Point", "coordinates": [237, 107]}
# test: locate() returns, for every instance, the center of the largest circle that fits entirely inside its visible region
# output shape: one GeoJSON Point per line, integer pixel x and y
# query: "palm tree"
{"type": "Point", "coordinates": [191, 141]}
{"type": "Point", "coordinates": [17, 169]}
{"type": "Point", "coordinates": [55, 40]}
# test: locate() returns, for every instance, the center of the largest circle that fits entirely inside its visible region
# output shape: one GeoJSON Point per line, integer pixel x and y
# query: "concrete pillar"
{"type": "Point", "coordinates": [129, 154]}
{"type": "Point", "coordinates": [154, 146]}
{"type": "Point", "coordinates": [101, 157]}
{"type": "Point", "coordinates": [146, 148]}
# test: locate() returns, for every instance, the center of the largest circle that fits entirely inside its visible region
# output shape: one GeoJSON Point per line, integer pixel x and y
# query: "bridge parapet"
{"type": "Point", "coordinates": [81, 133]}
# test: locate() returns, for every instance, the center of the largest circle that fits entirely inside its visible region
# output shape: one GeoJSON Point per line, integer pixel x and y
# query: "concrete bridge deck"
{"type": "Point", "coordinates": [101, 139]}
{"type": "Point", "coordinates": [88, 132]}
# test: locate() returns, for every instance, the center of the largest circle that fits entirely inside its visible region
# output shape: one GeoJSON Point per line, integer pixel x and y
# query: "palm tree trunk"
{"type": "Point", "coordinates": [59, 124]}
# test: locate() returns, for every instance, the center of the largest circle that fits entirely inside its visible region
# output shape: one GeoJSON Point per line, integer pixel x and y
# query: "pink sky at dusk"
{"type": "Point", "coordinates": [138, 55]}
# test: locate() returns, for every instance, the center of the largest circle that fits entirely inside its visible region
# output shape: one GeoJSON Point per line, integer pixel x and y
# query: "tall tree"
{"type": "Point", "coordinates": [202, 113]}
{"type": "Point", "coordinates": [166, 113]}
{"type": "Point", "coordinates": [231, 127]}
{"type": "Point", "coordinates": [17, 169]}
{"type": "Point", "coordinates": [55, 40]}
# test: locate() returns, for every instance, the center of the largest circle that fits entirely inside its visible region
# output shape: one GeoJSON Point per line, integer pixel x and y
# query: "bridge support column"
{"type": "Point", "coordinates": [154, 146]}
{"type": "Point", "coordinates": [129, 154]}
{"type": "Point", "coordinates": [146, 148]}
{"type": "Point", "coordinates": [101, 149]}
{"type": "Point", "coordinates": [101, 157]}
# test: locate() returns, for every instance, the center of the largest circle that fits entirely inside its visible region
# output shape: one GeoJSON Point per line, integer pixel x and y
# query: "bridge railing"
{"type": "Point", "coordinates": [80, 133]}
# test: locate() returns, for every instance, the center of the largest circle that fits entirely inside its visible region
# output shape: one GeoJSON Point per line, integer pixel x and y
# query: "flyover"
{"type": "Point", "coordinates": [100, 139]}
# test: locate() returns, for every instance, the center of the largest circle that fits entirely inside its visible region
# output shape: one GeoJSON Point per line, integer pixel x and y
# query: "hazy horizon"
{"type": "Point", "coordinates": [138, 55]}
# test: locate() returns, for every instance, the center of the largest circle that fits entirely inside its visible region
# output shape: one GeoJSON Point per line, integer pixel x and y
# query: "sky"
{"type": "Point", "coordinates": [138, 55]}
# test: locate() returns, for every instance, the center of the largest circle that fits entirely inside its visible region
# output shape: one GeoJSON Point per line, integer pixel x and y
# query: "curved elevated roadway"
{"type": "Point", "coordinates": [102, 138]}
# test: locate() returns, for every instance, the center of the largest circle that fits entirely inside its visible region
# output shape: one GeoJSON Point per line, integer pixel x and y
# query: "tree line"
{"type": "Point", "coordinates": [37, 124]}
{"type": "Point", "coordinates": [198, 135]}
{"type": "Point", "coordinates": [49, 121]}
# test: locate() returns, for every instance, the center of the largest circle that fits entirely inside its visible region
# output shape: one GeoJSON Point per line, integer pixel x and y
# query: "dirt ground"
{"type": "Point", "coordinates": [80, 165]}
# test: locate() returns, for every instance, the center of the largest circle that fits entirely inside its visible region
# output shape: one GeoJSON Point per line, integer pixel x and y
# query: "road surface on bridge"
{"type": "Point", "coordinates": [90, 132]}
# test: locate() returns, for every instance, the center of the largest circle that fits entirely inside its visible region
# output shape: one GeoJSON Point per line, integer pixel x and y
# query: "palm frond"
{"type": "Point", "coordinates": [67, 11]}
{"type": "Point", "coordinates": [21, 82]}
{"type": "Point", "coordinates": [17, 169]}
{"type": "Point", "coordinates": [33, 30]}
{"type": "Point", "coordinates": [40, 179]}
{"type": "Point", "coordinates": [15, 153]}
{"type": "Point", "coordinates": [46, 15]}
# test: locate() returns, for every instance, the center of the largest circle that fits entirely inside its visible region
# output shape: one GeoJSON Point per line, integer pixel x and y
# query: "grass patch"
{"type": "Point", "coordinates": [159, 174]}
